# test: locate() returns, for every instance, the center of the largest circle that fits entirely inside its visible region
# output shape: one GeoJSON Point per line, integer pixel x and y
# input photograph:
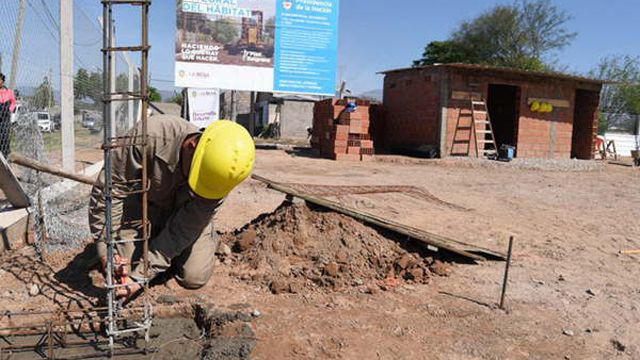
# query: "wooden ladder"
{"type": "Point", "coordinates": [479, 123]}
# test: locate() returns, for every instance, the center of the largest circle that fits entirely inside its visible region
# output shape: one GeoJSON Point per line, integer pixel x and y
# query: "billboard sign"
{"type": "Point", "coordinates": [204, 106]}
{"type": "Point", "coordinates": [258, 45]}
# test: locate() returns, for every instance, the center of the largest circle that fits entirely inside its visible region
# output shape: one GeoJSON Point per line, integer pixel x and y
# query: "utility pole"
{"type": "Point", "coordinates": [112, 73]}
{"type": "Point", "coordinates": [112, 80]}
{"type": "Point", "coordinates": [66, 86]}
{"type": "Point", "coordinates": [17, 45]}
{"type": "Point", "coordinates": [131, 77]}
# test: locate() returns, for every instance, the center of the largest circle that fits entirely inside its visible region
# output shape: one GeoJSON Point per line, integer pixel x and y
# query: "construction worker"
{"type": "Point", "coordinates": [190, 172]}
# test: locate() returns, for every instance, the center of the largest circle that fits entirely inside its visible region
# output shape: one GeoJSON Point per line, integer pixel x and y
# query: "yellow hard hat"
{"type": "Point", "coordinates": [223, 158]}
{"type": "Point", "coordinates": [535, 106]}
{"type": "Point", "coordinates": [549, 107]}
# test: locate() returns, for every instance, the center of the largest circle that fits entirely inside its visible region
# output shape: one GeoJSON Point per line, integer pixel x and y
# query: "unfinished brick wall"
{"type": "Point", "coordinates": [412, 113]}
{"type": "Point", "coordinates": [342, 135]}
{"type": "Point", "coordinates": [413, 100]}
{"type": "Point", "coordinates": [539, 135]}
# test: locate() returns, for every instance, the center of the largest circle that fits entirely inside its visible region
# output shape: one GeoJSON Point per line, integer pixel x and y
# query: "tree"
{"type": "Point", "coordinates": [521, 35]}
{"type": "Point", "coordinates": [622, 97]}
{"type": "Point", "coordinates": [442, 52]}
{"type": "Point", "coordinates": [154, 94]}
{"type": "Point", "coordinates": [94, 90]}
{"type": "Point", "coordinates": [176, 98]}
{"type": "Point", "coordinates": [81, 84]}
{"type": "Point", "coordinates": [43, 97]}
{"type": "Point", "coordinates": [224, 31]}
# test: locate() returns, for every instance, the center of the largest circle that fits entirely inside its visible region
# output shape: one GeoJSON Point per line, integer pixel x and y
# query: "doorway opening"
{"type": "Point", "coordinates": [503, 103]}
{"type": "Point", "coordinates": [584, 118]}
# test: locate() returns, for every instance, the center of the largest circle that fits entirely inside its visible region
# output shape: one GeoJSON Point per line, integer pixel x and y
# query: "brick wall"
{"type": "Point", "coordinates": [342, 135]}
{"type": "Point", "coordinates": [539, 135]}
{"type": "Point", "coordinates": [411, 108]}
{"type": "Point", "coordinates": [412, 114]}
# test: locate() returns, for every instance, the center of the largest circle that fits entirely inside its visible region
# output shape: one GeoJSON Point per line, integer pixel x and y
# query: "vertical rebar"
{"type": "Point", "coordinates": [506, 273]}
{"type": "Point", "coordinates": [144, 90]}
{"type": "Point", "coordinates": [106, 130]}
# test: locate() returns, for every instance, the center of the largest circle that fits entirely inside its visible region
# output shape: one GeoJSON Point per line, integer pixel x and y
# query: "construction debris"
{"type": "Point", "coordinates": [298, 249]}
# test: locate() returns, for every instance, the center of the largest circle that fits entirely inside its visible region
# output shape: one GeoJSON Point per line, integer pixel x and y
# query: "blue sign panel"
{"type": "Point", "coordinates": [258, 45]}
{"type": "Point", "coordinates": [306, 46]}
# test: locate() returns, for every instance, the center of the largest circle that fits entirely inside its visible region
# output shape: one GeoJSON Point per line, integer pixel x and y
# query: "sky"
{"type": "Point", "coordinates": [377, 35]}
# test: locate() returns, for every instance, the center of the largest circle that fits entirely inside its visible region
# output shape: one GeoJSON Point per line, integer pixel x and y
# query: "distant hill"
{"type": "Point", "coordinates": [372, 94]}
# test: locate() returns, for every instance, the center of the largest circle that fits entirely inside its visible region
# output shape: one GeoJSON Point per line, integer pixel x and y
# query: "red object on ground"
{"type": "Point", "coordinates": [342, 135]}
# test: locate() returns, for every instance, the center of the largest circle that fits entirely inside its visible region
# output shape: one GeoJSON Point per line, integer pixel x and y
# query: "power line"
{"type": "Point", "coordinates": [52, 18]}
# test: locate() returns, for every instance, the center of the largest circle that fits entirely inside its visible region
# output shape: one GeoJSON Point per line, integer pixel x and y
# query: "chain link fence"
{"type": "Point", "coordinates": [31, 126]}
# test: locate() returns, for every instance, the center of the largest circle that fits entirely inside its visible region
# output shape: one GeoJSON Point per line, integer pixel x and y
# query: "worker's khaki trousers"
{"type": "Point", "coordinates": [192, 268]}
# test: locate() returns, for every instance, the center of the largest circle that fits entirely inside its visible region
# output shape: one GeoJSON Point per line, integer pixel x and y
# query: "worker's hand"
{"type": "Point", "coordinates": [121, 266]}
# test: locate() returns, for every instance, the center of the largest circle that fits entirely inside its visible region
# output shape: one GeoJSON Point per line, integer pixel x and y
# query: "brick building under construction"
{"type": "Point", "coordinates": [424, 107]}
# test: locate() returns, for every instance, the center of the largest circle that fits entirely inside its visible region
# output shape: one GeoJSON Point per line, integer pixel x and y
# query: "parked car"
{"type": "Point", "coordinates": [44, 121]}
{"type": "Point", "coordinates": [90, 119]}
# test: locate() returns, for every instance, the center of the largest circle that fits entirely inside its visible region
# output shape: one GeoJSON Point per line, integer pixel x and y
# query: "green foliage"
{"type": "Point", "coordinates": [622, 97]}
{"type": "Point", "coordinates": [176, 98]}
{"type": "Point", "coordinates": [603, 123]}
{"type": "Point", "coordinates": [80, 83]}
{"type": "Point", "coordinates": [442, 52]}
{"type": "Point", "coordinates": [520, 35]}
{"type": "Point", "coordinates": [43, 97]}
{"type": "Point", "coordinates": [224, 31]}
{"type": "Point", "coordinates": [88, 85]}
{"type": "Point", "coordinates": [154, 94]}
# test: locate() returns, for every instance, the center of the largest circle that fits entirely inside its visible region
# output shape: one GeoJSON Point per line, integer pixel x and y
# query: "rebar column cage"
{"type": "Point", "coordinates": [115, 326]}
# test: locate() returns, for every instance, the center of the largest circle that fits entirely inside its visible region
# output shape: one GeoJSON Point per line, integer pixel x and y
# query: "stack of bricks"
{"type": "Point", "coordinates": [342, 135]}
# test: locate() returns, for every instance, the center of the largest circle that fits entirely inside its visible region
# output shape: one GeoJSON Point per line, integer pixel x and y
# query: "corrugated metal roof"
{"type": "Point", "coordinates": [506, 71]}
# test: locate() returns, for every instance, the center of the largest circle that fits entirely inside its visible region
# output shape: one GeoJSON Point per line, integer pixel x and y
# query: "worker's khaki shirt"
{"type": "Point", "coordinates": [177, 217]}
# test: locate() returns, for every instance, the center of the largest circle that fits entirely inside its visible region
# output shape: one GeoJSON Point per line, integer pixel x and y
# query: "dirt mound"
{"type": "Point", "coordinates": [297, 248]}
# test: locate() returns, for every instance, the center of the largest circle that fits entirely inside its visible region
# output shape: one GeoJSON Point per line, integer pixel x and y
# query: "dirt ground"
{"type": "Point", "coordinates": [571, 293]}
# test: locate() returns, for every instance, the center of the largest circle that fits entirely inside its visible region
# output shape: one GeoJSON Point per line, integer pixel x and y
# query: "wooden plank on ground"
{"type": "Point", "coordinates": [14, 229]}
{"type": "Point", "coordinates": [463, 249]}
{"type": "Point", "coordinates": [11, 187]}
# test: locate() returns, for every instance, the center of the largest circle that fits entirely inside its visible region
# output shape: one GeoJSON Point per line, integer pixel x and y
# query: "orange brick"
{"type": "Point", "coordinates": [347, 157]}
{"type": "Point", "coordinates": [353, 150]}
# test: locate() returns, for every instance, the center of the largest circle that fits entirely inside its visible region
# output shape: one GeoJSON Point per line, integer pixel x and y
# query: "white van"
{"type": "Point", "coordinates": [44, 121]}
